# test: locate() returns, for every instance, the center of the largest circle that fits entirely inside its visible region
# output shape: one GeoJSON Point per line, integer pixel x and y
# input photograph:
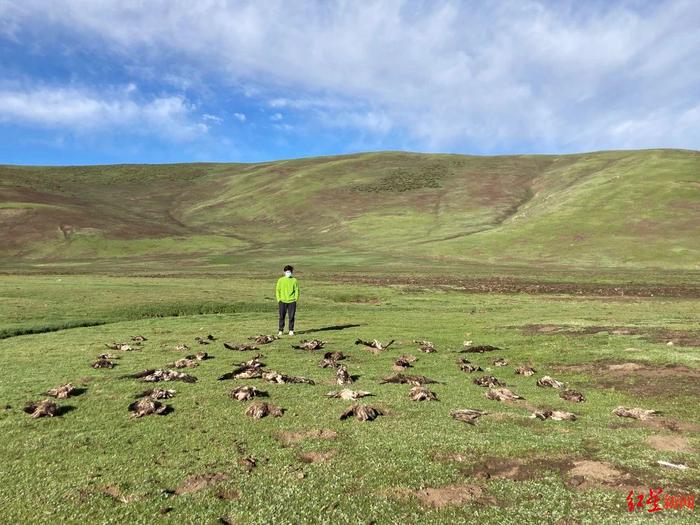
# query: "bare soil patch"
{"type": "Point", "coordinates": [292, 438]}
{"type": "Point", "coordinates": [652, 334]}
{"type": "Point", "coordinates": [514, 285]}
{"type": "Point", "coordinates": [515, 468]}
{"type": "Point", "coordinates": [587, 473]}
{"type": "Point", "coordinates": [439, 497]}
{"type": "Point", "coordinates": [228, 495]}
{"type": "Point", "coordinates": [199, 482]}
{"type": "Point", "coordinates": [116, 494]}
{"type": "Point", "coordinates": [640, 378]}
{"type": "Point", "coordinates": [669, 443]}
{"type": "Point", "coordinates": [317, 457]}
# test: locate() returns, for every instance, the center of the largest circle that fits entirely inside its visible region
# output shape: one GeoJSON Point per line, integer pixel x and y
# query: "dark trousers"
{"type": "Point", "coordinates": [287, 309]}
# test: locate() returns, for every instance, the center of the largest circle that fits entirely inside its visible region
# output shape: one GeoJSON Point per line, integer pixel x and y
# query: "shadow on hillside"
{"type": "Point", "coordinates": [329, 328]}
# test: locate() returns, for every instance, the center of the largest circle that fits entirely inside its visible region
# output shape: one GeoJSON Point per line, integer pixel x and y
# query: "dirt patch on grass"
{"type": "Point", "coordinates": [586, 474]}
{"type": "Point", "coordinates": [448, 495]}
{"type": "Point", "coordinates": [116, 494]}
{"type": "Point", "coordinates": [640, 378]}
{"type": "Point", "coordinates": [317, 457]}
{"type": "Point", "coordinates": [515, 468]}
{"type": "Point", "coordinates": [657, 423]}
{"type": "Point", "coordinates": [289, 439]}
{"type": "Point", "coordinates": [652, 334]}
{"type": "Point", "coordinates": [228, 495]}
{"type": "Point", "coordinates": [200, 481]}
{"type": "Point", "coordinates": [513, 285]}
{"type": "Point", "coordinates": [669, 443]}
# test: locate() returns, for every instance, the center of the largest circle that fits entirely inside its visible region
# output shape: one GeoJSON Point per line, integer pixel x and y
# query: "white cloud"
{"type": "Point", "coordinates": [276, 117]}
{"type": "Point", "coordinates": [82, 109]}
{"type": "Point", "coordinates": [212, 118]}
{"type": "Point", "coordinates": [450, 74]}
{"type": "Point", "coordinates": [240, 117]}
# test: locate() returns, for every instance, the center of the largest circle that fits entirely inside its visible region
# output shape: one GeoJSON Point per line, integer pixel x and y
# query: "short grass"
{"type": "Point", "coordinates": [59, 470]}
{"type": "Point", "coordinates": [635, 210]}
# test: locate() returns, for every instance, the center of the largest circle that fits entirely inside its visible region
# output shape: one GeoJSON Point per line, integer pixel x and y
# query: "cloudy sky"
{"type": "Point", "coordinates": [102, 81]}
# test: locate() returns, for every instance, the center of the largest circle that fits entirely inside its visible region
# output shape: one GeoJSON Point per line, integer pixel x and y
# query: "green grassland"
{"type": "Point", "coordinates": [634, 210]}
{"type": "Point", "coordinates": [585, 266]}
{"type": "Point", "coordinates": [95, 464]}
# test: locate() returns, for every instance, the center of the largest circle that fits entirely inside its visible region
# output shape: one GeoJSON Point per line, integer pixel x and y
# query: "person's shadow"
{"type": "Point", "coordinates": [329, 328]}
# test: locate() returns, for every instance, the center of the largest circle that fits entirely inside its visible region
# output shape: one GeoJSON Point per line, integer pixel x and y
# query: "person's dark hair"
{"type": "Point", "coordinates": [289, 268]}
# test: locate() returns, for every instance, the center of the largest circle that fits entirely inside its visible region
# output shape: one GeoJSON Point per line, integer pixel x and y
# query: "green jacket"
{"type": "Point", "coordinates": [287, 289]}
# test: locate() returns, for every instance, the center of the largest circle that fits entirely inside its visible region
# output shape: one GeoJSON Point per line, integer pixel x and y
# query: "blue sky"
{"type": "Point", "coordinates": [88, 81]}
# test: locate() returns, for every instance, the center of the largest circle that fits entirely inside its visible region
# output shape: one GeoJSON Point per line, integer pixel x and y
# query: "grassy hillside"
{"type": "Point", "coordinates": [631, 210]}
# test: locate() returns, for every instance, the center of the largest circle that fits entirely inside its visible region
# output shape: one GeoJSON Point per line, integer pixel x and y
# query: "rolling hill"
{"type": "Point", "coordinates": [629, 210]}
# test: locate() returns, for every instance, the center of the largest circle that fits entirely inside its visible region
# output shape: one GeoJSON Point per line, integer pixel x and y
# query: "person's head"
{"type": "Point", "coordinates": [288, 270]}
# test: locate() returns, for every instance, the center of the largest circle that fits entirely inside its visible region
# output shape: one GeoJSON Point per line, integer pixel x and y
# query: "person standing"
{"type": "Point", "coordinates": [287, 293]}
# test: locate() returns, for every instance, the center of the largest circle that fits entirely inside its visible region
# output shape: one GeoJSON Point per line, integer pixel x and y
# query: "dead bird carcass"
{"type": "Point", "coordinates": [314, 344]}
{"type": "Point", "coordinates": [347, 394]}
{"type": "Point", "coordinates": [246, 393]}
{"type": "Point", "coordinates": [259, 410]}
{"type": "Point", "coordinates": [361, 413]}
{"type": "Point", "coordinates": [147, 406]}
{"type": "Point", "coordinates": [273, 376]}
{"type": "Point", "coordinates": [61, 391]}
{"type": "Point", "coordinates": [467, 415]}
{"type": "Point", "coordinates": [374, 344]}
{"type": "Point", "coordinates": [408, 379]}
{"type": "Point", "coordinates": [421, 393]}
{"type": "Point", "coordinates": [502, 394]}
{"type": "Point", "coordinates": [488, 381]}
{"type": "Point", "coordinates": [425, 346]}
{"type": "Point", "coordinates": [45, 408]}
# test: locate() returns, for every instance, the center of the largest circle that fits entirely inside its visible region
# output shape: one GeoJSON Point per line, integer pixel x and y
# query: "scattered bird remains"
{"type": "Point", "coordinates": [420, 393]}
{"type": "Point", "coordinates": [275, 377]}
{"type": "Point", "coordinates": [375, 344]}
{"type": "Point", "coordinates": [556, 415]}
{"type": "Point", "coordinates": [467, 366]}
{"type": "Point", "coordinates": [348, 395]}
{"type": "Point", "coordinates": [158, 393]}
{"type": "Point", "coordinates": [263, 339]}
{"type": "Point", "coordinates": [525, 370]}
{"type": "Point", "coordinates": [330, 359]}
{"type": "Point", "coordinates": [467, 415]}
{"type": "Point", "coordinates": [185, 362]}
{"type": "Point", "coordinates": [401, 363]}
{"type": "Point", "coordinates": [138, 339]}
{"type": "Point", "coordinates": [241, 347]}
{"type": "Point", "coordinates": [147, 406]}
{"type": "Point", "coordinates": [62, 391]}
{"type": "Point", "coordinates": [408, 379]}
{"type": "Point", "coordinates": [572, 395]}
{"type": "Point", "coordinates": [634, 413]}
{"type": "Point", "coordinates": [500, 361]}
{"type": "Point", "coordinates": [488, 381]}
{"type": "Point", "coordinates": [154, 376]}
{"type": "Point", "coordinates": [314, 344]}
{"type": "Point", "coordinates": [259, 410]}
{"type": "Point", "coordinates": [251, 369]}
{"type": "Point", "coordinates": [124, 347]}
{"type": "Point", "coordinates": [549, 382]}
{"type": "Point", "coordinates": [425, 346]}
{"type": "Point", "coordinates": [342, 376]}
{"type": "Point", "coordinates": [479, 349]}
{"type": "Point", "coordinates": [361, 413]}
{"type": "Point", "coordinates": [246, 393]}
{"type": "Point", "coordinates": [45, 408]}
{"type": "Point", "coordinates": [502, 394]}
{"type": "Point", "coordinates": [182, 348]}
{"type": "Point", "coordinates": [103, 363]}
{"type": "Point", "coordinates": [107, 356]}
